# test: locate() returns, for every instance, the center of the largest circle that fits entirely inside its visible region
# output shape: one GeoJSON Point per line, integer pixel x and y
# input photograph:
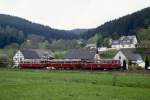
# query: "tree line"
{"type": "Point", "coordinates": [12, 26]}
{"type": "Point", "coordinates": [126, 25]}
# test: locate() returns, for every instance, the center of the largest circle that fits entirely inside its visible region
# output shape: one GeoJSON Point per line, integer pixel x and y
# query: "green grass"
{"type": "Point", "coordinates": [108, 54]}
{"type": "Point", "coordinates": [72, 85]}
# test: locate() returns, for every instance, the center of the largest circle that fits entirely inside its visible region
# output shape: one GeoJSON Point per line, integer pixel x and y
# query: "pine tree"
{"type": "Point", "coordinates": [99, 40]}
{"type": "Point", "coordinates": [124, 65]}
{"type": "Point", "coordinates": [147, 63]}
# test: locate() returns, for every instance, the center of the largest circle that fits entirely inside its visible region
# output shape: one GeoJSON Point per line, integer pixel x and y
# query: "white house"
{"type": "Point", "coordinates": [102, 49]}
{"type": "Point", "coordinates": [31, 54]}
{"type": "Point", "coordinates": [125, 42]}
{"type": "Point", "coordinates": [130, 55]}
{"type": "Point", "coordinates": [18, 57]}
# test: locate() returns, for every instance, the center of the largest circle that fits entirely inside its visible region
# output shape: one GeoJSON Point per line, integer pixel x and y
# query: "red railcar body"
{"type": "Point", "coordinates": [71, 64]}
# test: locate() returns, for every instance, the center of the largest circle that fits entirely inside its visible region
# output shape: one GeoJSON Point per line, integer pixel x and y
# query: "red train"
{"type": "Point", "coordinates": [71, 64]}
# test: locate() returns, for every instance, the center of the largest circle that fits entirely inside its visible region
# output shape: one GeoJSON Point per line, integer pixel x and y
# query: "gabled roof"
{"type": "Point", "coordinates": [36, 53]}
{"type": "Point", "coordinates": [131, 54]}
{"type": "Point", "coordinates": [30, 54]}
{"type": "Point", "coordinates": [80, 54]}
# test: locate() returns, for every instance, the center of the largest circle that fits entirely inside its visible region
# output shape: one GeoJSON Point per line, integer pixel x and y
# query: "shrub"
{"type": "Point", "coordinates": [3, 61]}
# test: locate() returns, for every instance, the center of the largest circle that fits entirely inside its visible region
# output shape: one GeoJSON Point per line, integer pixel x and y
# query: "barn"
{"type": "Point", "coordinates": [31, 54]}
{"type": "Point", "coordinates": [130, 55]}
{"type": "Point", "coordinates": [83, 54]}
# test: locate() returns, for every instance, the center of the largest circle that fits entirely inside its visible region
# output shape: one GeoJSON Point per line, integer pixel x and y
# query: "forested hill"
{"type": "Point", "coordinates": [79, 31]}
{"type": "Point", "coordinates": [17, 30]}
{"type": "Point", "coordinates": [11, 27]}
{"type": "Point", "coordinates": [125, 25]}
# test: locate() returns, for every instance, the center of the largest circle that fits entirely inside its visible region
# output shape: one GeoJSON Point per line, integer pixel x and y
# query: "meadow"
{"type": "Point", "coordinates": [21, 84]}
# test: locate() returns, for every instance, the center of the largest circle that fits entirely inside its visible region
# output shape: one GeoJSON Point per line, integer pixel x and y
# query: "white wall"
{"type": "Point", "coordinates": [116, 46]}
{"type": "Point", "coordinates": [18, 57]}
{"type": "Point", "coordinates": [123, 46]}
{"type": "Point", "coordinates": [120, 56]}
{"type": "Point", "coordinates": [139, 62]}
{"type": "Point", "coordinates": [135, 40]}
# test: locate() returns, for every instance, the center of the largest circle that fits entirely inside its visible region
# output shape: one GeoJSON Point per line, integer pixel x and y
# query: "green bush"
{"type": "Point", "coordinates": [3, 62]}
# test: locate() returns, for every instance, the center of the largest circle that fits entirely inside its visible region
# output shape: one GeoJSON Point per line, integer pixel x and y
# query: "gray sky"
{"type": "Point", "coordinates": [70, 14]}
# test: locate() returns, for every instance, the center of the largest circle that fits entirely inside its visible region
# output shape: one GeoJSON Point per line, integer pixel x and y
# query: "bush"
{"type": "Point", "coordinates": [139, 68]}
{"type": "Point", "coordinates": [3, 62]}
{"type": "Point", "coordinates": [134, 67]}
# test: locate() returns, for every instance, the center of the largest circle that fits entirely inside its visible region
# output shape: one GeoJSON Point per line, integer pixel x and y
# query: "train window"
{"type": "Point", "coordinates": [104, 61]}
{"type": "Point", "coordinates": [114, 62]}
{"type": "Point", "coordinates": [111, 62]}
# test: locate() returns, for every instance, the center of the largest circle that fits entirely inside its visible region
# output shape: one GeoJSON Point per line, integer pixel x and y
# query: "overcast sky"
{"type": "Point", "coordinates": [70, 14]}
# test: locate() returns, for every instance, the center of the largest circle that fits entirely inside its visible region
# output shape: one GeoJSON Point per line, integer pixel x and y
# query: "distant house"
{"type": "Point", "coordinates": [82, 54]}
{"type": "Point", "coordinates": [102, 49]}
{"type": "Point", "coordinates": [130, 55]}
{"type": "Point", "coordinates": [31, 54]}
{"type": "Point", "coordinates": [125, 42]}
{"type": "Point", "coordinates": [91, 46]}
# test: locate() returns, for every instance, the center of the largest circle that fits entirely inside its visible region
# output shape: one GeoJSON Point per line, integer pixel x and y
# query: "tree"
{"type": "Point", "coordinates": [124, 25]}
{"type": "Point", "coordinates": [3, 62]}
{"type": "Point", "coordinates": [147, 64]}
{"type": "Point", "coordinates": [99, 40]}
{"type": "Point", "coordinates": [106, 42]}
{"type": "Point", "coordinates": [124, 65]}
{"type": "Point", "coordinates": [143, 34]}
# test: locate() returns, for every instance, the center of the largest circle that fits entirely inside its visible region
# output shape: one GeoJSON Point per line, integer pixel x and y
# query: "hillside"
{"type": "Point", "coordinates": [79, 31]}
{"type": "Point", "coordinates": [11, 24]}
{"type": "Point", "coordinates": [17, 31]}
{"type": "Point", "coordinates": [126, 25]}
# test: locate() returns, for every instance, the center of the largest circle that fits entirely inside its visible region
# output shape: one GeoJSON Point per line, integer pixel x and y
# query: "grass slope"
{"type": "Point", "coordinates": [72, 85]}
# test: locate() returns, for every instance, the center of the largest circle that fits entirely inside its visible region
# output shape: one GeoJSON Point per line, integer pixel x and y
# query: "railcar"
{"type": "Point", "coordinates": [102, 64]}
{"type": "Point", "coordinates": [71, 64]}
{"type": "Point", "coordinates": [31, 64]}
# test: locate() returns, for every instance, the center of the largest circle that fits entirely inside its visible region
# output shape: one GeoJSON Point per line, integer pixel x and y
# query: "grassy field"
{"type": "Point", "coordinates": [72, 85]}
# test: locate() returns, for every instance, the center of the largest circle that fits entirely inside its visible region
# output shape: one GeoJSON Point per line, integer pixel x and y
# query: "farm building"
{"type": "Point", "coordinates": [31, 54]}
{"type": "Point", "coordinates": [130, 55]}
{"type": "Point", "coordinates": [83, 54]}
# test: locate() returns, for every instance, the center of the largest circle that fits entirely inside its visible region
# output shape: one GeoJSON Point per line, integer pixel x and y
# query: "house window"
{"type": "Point", "coordinates": [119, 57]}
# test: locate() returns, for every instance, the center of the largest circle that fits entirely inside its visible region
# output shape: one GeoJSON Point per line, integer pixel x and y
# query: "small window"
{"type": "Point", "coordinates": [119, 57]}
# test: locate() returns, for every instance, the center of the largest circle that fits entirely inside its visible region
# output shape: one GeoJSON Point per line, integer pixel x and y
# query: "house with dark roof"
{"type": "Point", "coordinates": [82, 54]}
{"type": "Point", "coordinates": [124, 42]}
{"type": "Point", "coordinates": [130, 55]}
{"type": "Point", "coordinates": [31, 54]}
